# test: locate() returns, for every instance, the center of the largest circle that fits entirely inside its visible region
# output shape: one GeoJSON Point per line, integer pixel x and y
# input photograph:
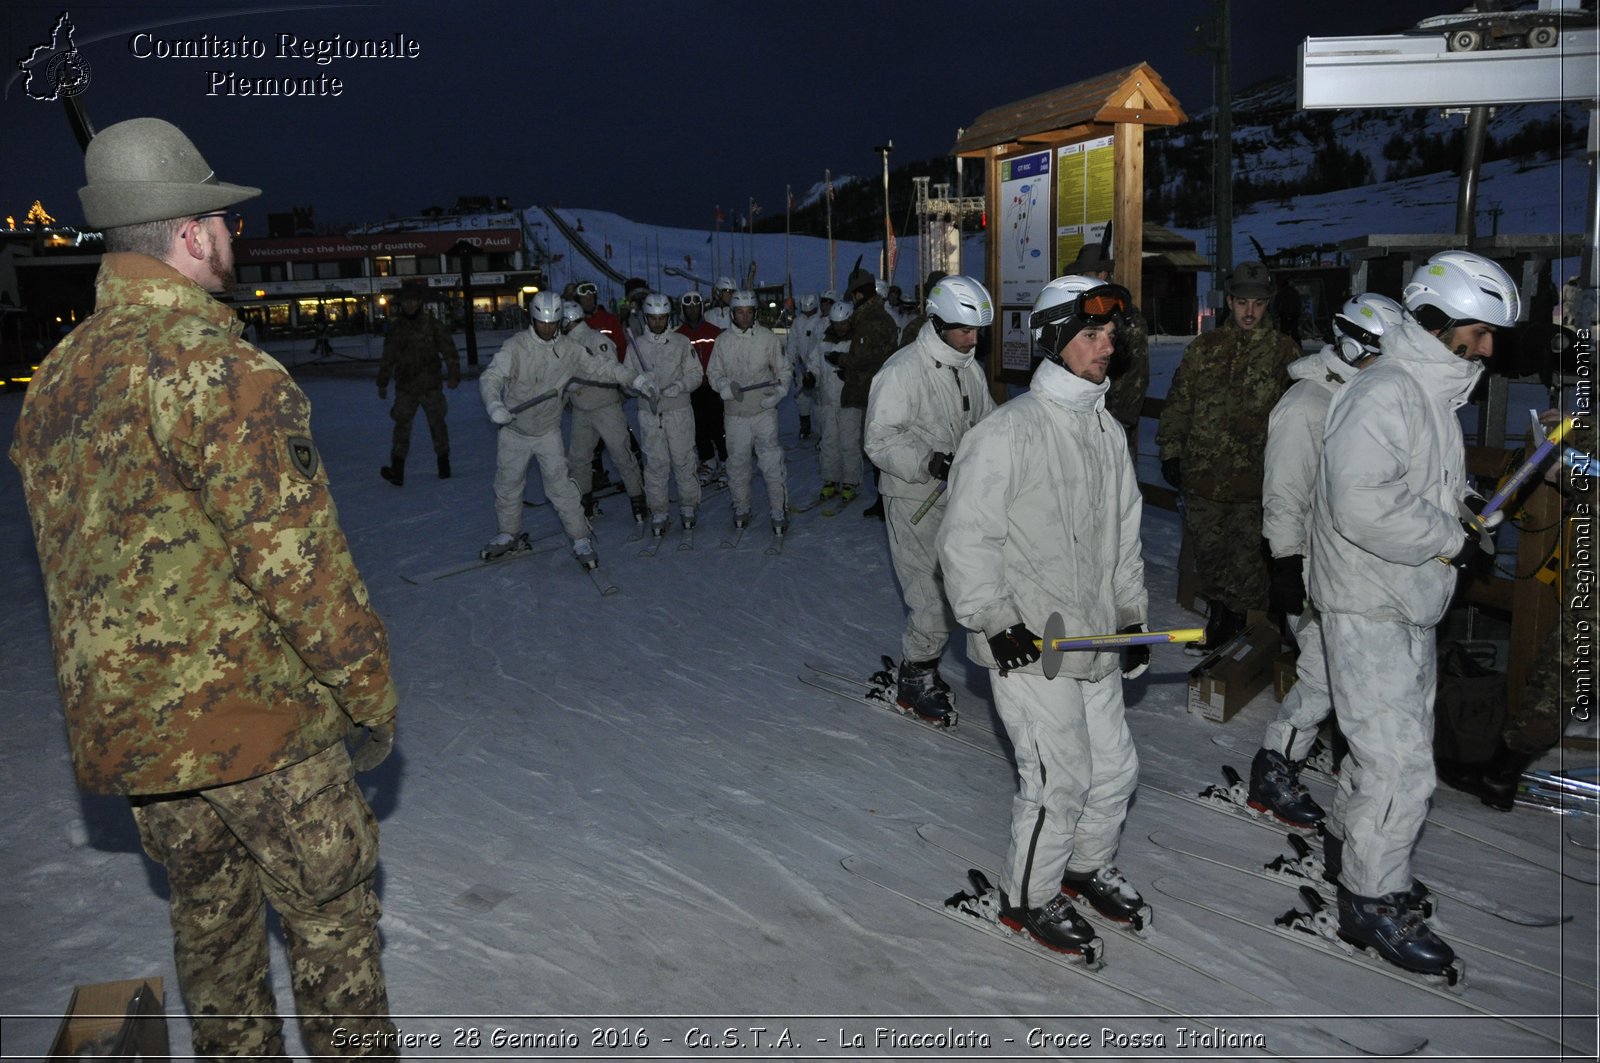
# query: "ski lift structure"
{"type": "Point", "coordinates": [1479, 59]}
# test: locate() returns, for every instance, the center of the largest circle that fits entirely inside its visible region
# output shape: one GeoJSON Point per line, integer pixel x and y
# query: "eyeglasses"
{"type": "Point", "coordinates": [232, 219]}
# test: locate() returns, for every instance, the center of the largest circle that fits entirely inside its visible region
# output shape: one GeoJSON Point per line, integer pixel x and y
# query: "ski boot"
{"type": "Point", "coordinates": [741, 519]}
{"type": "Point", "coordinates": [875, 510]}
{"type": "Point", "coordinates": [780, 524]}
{"type": "Point", "coordinates": [444, 466]}
{"type": "Point", "coordinates": [1396, 931]}
{"type": "Point", "coordinates": [1275, 787]}
{"type": "Point", "coordinates": [1222, 624]}
{"type": "Point", "coordinates": [395, 471]}
{"type": "Point", "coordinates": [1419, 898]}
{"type": "Point", "coordinates": [847, 492]}
{"type": "Point", "coordinates": [830, 489]}
{"type": "Point", "coordinates": [589, 506]}
{"type": "Point", "coordinates": [917, 691]}
{"type": "Point", "coordinates": [658, 525]}
{"type": "Point", "coordinates": [583, 552]}
{"type": "Point", "coordinates": [640, 511]}
{"type": "Point", "coordinates": [1055, 924]}
{"type": "Point", "coordinates": [503, 544]}
{"type": "Point", "coordinates": [1108, 892]}
{"type": "Point", "coordinates": [688, 519]}
{"type": "Point", "coordinates": [711, 470]}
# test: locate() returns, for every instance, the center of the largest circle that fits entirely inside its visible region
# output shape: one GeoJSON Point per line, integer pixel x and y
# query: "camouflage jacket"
{"type": "Point", "coordinates": [412, 352]}
{"type": "Point", "coordinates": [873, 338]}
{"type": "Point", "coordinates": [1130, 372]}
{"type": "Point", "coordinates": [209, 624]}
{"type": "Point", "coordinates": [1215, 417]}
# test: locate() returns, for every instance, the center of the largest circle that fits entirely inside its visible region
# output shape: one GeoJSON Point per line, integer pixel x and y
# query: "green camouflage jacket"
{"type": "Point", "coordinates": [1130, 372]}
{"type": "Point", "coordinates": [873, 338]}
{"type": "Point", "coordinates": [209, 624]}
{"type": "Point", "coordinates": [1215, 417]}
{"type": "Point", "coordinates": [412, 352]}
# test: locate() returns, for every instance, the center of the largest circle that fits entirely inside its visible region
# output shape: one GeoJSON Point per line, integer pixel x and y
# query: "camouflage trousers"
{"type": "Point", "coordinates": [1228, 553]}
{"type": "Point", "coordinates": [404, 413]}
{"type": "Point", "coordinates": [304, 839]}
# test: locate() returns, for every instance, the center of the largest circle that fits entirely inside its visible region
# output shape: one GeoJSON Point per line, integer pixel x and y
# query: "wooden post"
{"type": "Point", "coordinates": [991, 265]}
{"type": "Point", "coordinates": [1128, 209]}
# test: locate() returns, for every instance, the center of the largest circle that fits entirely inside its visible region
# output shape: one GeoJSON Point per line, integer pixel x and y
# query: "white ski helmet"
{"type": "Point", "coordinates": [545, 306]}
{"type": "Point", "coordinates": [959, 302]}
{"type": "Point", "coordinates": [808, 303]}
{"type": "Point", "coordinates": [1067, 304]}
{"type": "Point", "coordinates": [840, 311]}
{"type": "Point", "coordinates": [571, 312]}
{"type": "Point", "coordinates": [1359, 323]}
{"type": "Point", "coordinates": [1459, 287]}
{"type": "Point", "coordinates": [829, 296]}
{"type": "Point", "coordinates": [656, 305]}
{"type": "Point", "coordinates": [744, 297]}
{"type": "Point", "coordinates": [725, 284]}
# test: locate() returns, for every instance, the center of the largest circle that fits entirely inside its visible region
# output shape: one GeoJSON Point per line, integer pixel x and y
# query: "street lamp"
{"type": "Point", "coordinates": [464, 250]}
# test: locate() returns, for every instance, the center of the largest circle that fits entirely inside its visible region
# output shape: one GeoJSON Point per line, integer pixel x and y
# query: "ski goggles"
{"type": "Point", "coordinates": [691, 299]}
{"type": "Point", "coordinates": [587, 288]}
{"type": "Point", "coordinates": [1098, 305]}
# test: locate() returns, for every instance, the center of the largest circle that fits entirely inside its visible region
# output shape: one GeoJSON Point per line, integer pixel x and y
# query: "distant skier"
{"type": "Point", "coordinates": [412, 352]}
{"type": "Point", "coordinates": [749, 371]}
{"type": "Point", "coordinates": [710, 442]}
{"type": "Point", "coordinates": [838, 429]}
{"type": "Point", "coordinates": [1294, 452]}
{"type": "Point", "coordinates": [598, 419]}
{"type": "Point", "coordinates": [921, 404]}
{"type": "Point", "coordinates": [537, 364]}
{"type": "Point", "coordinates": [668, 428]}
{"type": "Point", "coordinates": [1043, 518]}
{"type": "Point", "coordinates": [803, 332]}
{"type": "Point", "coordinates": [1387, 509]}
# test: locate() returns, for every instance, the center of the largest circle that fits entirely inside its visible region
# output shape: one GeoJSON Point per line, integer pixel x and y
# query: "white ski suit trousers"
{"type": "Point", "coordinates": [669, 448]}
{"type": "Point", "coordinates": [1383, 674]}
{"type": "Point", "coordinates": [589, 427]}
{"type": "Point", "coordinates": [759, 434]}
{"type": "Point", "coordinates": [914, 550]}
{"type": "Point", "coordinates": [1308, 702]}
{"type": "Point", "coordinates": [1077, 770]}
{"type": "Point", "coordinates": [840, 455]}
{"type": "Point", "coordinates": [513, 453]}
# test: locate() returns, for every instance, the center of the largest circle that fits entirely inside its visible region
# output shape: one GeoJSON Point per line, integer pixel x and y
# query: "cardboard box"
{"type": "Point", "coordinates": [123, 1020]}
{"type": "Point", "coordinates": [1227, 678]}
{"type": "Point", "coordinates": [1283, 673]}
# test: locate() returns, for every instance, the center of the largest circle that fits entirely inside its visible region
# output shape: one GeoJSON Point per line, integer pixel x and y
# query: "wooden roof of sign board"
{"type": "Point", "coordinates": [1134, 94]}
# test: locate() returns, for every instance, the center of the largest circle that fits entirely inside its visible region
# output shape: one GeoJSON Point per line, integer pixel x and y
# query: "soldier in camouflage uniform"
{"type": "Point", "coordinates": [1213, 440]}
{"type": "Point", "coordinates": [416, 344]}
{"type": "Point", "coordinates": [213, 640]}
{"type": "Point", "coordinates": [873, 338]}
{"type": "Point", "coordinates": [1130, 364]}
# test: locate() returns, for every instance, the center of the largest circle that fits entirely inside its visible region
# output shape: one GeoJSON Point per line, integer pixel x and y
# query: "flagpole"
{"type": "Point", "coordinates": [788, 256]}
{"type": "Point", "coordinates": [827, 194]}
{"type": "Point", "coordinates": [716, 250]}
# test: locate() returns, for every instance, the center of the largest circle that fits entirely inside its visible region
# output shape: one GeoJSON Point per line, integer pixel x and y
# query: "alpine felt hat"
{"type": "Point", "coordinates": [145, 170]}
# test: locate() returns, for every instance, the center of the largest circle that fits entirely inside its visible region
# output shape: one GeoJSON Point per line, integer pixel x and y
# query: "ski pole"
{"type": "Point", "coordinates": [541, 397]}
{"type": "Point", "coordinates": [927, 503]}
{"type": "Point", "coordinates": [757, 387]}
{"type": "Point", "coordinates": [1056, 641]}
{"type": "Point", "coordinates": [1481, 519]}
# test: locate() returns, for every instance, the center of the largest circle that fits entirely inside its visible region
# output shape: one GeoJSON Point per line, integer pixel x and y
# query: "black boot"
{"type": "Point", "coordinates": [444, 466]}
{"type": "Point", "coordinates": [805, 428]}
{"type": "Point", "coordinates": [587, 498]}
{"type": "Point", "coordinates": [1502, 776]}
{"type": "Point", "coordinates": [395, 471]}
{"type": "Point", "coordinates": [1222, 624]}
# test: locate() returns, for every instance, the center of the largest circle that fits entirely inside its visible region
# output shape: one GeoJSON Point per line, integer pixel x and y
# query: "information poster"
{"type": "Point", "coordinates": [1016, 346]}
{"type": "Point", "coordinates": [1085, 196]}
{"type": "Point", "coordinates": [1024, 236]}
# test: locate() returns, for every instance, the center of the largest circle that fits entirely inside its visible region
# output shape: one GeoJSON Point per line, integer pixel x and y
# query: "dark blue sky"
{"type": "Point", "coordinates": [659, 111]}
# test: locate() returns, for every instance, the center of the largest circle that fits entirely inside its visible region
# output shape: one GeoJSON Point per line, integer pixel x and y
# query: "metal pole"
{"type": "Point", "coordinates": [888, 233]}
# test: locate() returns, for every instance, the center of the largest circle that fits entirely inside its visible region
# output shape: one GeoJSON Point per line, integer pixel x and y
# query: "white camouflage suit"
{"type": "Point", "coordinates": [1043, 517]}
{"type": "Point", "coordinates": [597, 415]}
{"type": "Point", "coordinates": [1393, 471]}
{"type": "Point", "coordinates": [1294, 451]}
{"type": "Point", "coordinates": [922, 402]}
{"type": "Point", "coordinates": [668, 430]}
{"type": "Point", "coordinates": [524, 367]}
{"type": "Point", "coordinates": [838, 427]}
{"type": "Point", "coordinates": [740, 358]}
{"type": "Point", "coordinates": [803, 334]}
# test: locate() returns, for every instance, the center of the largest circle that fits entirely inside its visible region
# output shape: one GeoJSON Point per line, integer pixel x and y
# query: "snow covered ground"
{"type": "Point", "coordinates": [626, 814]}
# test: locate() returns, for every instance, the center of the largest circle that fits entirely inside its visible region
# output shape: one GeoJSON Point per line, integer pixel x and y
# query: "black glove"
{"type": "Point", "coordinates": [1135, 659]}
{"type": "Point", "coordinates": [1015, 647]}
{"type": "Point", "coordinates": [1286, 593]}
{"type": "Point", "coordinates": [1172, 473]}
{"type": "Point", "coordinates": [939, 464]}
{"type": "Point", "coordinates": [374, 748]}
{"type": "Point", "coordinates": [832, 358]}
{"type": "Point", "coordinates": [839, 373]}
{"type": "Point", "coordinates": [808, 381]}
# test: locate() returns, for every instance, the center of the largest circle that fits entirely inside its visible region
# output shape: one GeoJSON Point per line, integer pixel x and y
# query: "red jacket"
{"type": "Point", "coordinates": [603, 320]}
{"type": "Point", "coordinates": [701, 337]}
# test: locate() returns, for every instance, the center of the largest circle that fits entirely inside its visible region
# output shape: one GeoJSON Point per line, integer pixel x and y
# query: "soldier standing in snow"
{"type": "Point", "coordinates": [873, 338]}
{"type": "Point", "coordinates": [921, 404]}
{"type": "Point", "coordinates": [1294, 452]}
{"type": "Point", "coordinates": [720, 312]}
{"type": "Point", "coordinates": [1044, 518]}
{"type": "Point", "coordinates": [522, 392]}
{"type": "Point", "coordinates": [668, 427]}
{"type": "Point", "coordinates": [1130, 366]}
{"type": "Point", "coordinates": [417, 342]}
{"type": "Point", "coordinates": [1387, 512]}
{"type": "Point", "coordinates": [803, 332]}
{"type": "Point", "coordinates": [710, 441]}
{"type": "Point", "coordinates": [838, 456]}
{"type": "Point", "coordinates": [1213, 440]}
{"type": "Point", "coordinates": [213, 639]}
{"type": "Point", "coordinates": [749, 371]}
